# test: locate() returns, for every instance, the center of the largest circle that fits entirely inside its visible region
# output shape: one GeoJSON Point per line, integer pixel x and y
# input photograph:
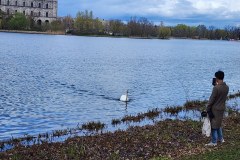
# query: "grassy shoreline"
{"type": "Point", "coordinates": [63, 33]}
{"type": "Point", "coordinates": [169, 139]}
{"type": "Point", "coordinates": [33, 32]}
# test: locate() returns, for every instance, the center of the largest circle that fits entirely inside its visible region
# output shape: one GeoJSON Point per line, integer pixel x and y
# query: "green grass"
{"type": "Point", "coordinates": [164, 140]}
{"type": "Point", "coordinates": [226, 153]}
{"type": "Point", "coordinates": [161, 158]}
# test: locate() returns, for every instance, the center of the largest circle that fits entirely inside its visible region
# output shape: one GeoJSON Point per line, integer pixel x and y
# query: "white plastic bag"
{"type": "Point", "coordinates": [206, 128]}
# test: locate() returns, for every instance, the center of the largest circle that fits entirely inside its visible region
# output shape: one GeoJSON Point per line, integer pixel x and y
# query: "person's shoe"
{"type": "Point", "coordinates": [211, 144]}
{"type": "Point", "coordinates": [222, 141]}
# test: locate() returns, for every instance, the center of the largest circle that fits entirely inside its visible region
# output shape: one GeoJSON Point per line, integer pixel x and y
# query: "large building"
{"type": "Point", "coordinates": [42, 11]}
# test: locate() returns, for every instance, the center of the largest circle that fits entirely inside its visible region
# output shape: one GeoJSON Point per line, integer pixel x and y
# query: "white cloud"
{"type": "Point", "coordinates": [169, 9]}
{"type": "Point", "coordinates": [221, 9]}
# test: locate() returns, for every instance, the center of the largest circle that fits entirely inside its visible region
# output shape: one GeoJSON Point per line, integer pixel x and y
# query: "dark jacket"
{"type": "Point", "coordinates": [217, 104]}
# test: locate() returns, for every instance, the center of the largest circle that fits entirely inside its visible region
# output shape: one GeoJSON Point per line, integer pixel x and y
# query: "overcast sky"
{"type": "Point", "coordinates": [192, 12]}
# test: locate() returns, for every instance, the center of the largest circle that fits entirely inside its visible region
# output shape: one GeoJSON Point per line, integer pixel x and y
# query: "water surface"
{"type": "Point", "coordinates": [54, 82]}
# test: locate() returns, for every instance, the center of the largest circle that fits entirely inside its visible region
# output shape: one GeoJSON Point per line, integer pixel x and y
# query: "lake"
{"type": "Point", "coordinates": [50, 82]}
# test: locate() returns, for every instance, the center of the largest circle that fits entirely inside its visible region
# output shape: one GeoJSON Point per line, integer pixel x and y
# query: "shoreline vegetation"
{"type": "Point", "coordinates": [109, 36]}
{"type": "Point", "coordinates": [85, 24]}
{"type": "Point", "coordinates": [34, 32]}
{"type": "Point", "coordinates": [171, 138]}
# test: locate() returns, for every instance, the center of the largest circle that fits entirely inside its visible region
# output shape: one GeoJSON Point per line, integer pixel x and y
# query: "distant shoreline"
{"type": "Point", "coordinates": [33, 32]}
{"type": "Point", "coordinates": [131, 37]}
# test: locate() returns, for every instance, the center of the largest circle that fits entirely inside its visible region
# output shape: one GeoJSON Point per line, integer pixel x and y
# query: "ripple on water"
{"type": "Point", "coordinates": [55, 87]}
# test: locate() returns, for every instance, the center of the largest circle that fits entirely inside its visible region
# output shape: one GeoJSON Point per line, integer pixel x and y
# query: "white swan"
{"type": "Point", "coordinates": [124, 97]}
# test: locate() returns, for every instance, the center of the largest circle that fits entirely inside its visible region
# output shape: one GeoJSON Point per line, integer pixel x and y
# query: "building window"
{"type": "Point", "coordinates": [0, 2]}
{"type": "Point", "coordinates": [31, 4]}
{"type": "Point", "coordinates": [15, 3]}
{"type": "Point", "coordinates": [31, 13]}
{"type": "Point", "coordinates": [24, 12]}
{"type": "Point", "coordinates": [39, 5]}
{"type": "Point", "coordinates": [8, 3]}
{"type": "Point", "coordinates": [39, 14]}
{"type": "Point", "coordinates": [39, 22]}
{"type": "Point", "coordinates": [47, 6]}
{"type": "Point", "coordinates": [46, 14]}
{"type": "Point", "coordinates": [24, 4]}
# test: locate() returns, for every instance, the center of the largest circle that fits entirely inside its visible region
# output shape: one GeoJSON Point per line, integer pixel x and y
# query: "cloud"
{"type": "Point", "coordinates": [157, 10]}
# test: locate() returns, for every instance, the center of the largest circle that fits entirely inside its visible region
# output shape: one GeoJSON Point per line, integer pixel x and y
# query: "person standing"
{"type": "Point", "coordinates": [216, 107]}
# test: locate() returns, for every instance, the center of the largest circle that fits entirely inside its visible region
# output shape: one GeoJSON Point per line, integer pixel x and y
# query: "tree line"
{"type": "Point", "coordinates": [86, 24]}
{"type": "Point", "coordinates": [19, 21]}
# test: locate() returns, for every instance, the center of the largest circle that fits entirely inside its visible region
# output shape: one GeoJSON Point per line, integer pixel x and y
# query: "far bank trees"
{"type": "Point", "coordinates": [86, 24]}
{"type": "Point", "coordinates": [163, 31]}
{"type": "Point", "coordinates": [19, 22]}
